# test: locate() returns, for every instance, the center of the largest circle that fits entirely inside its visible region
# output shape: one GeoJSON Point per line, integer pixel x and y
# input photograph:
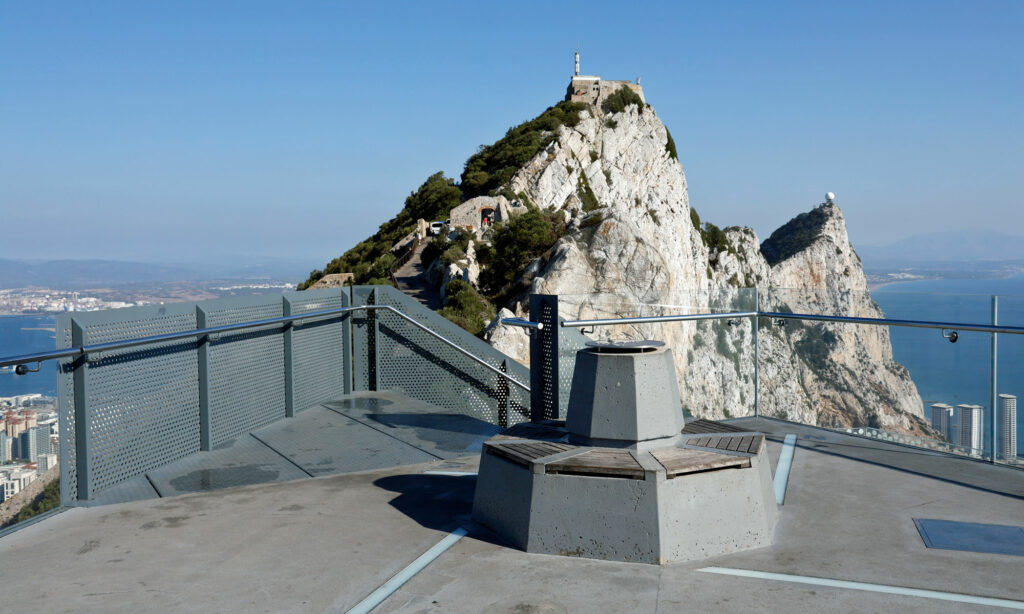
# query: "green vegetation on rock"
{"type": "Point", "coordinates": [370, 261]}
{"type": "Point", "coordinates": [467, 308]}
{"type": "Point", "coordinates": [620, 99]}
{"type": "Point", "coordinates": [493, 165]}
{"type": "Point", "coordinates": [45, 501]}
{"type": "Point", "coordinates": [670, 145]}
{"type": "Point", "coordinates": [794, 236]}
{"type": "Point", "coordinates": [514, 245]}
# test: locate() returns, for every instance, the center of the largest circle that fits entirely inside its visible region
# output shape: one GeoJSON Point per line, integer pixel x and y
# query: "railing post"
{"type": "Point", "coordinates": [203, 355]}
{"type": "Point", "coordinates": [371, 342]}
{"type": "Point", "coordinates": [757, 361]}
{"type": "Point", "coordinates": [544, 358]}
{"type": "Point", "coordinates": [346, 343]}
{"type": "Point", "coordinates": [289, 371]}
{"type": "Point", "coordinates": [994, 397]}
{"type": "Point", "coordinates": [83, 434]}
{"type": "Point", "coordinates": [503, 391]}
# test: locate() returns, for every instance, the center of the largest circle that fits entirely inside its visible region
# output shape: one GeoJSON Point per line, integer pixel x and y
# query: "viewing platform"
{"type": "Point", "coordinates": [319, 453]}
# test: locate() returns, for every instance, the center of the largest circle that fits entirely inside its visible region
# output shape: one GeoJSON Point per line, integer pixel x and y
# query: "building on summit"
{"type": "Point", "coordinates": [592, 89]}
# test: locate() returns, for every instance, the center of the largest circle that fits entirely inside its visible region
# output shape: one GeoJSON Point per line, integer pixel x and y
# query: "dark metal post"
{"type": "Point", "coordinates": [994, 397]}
{"type": "Point", "coordinates": [83, 427]}
{"type": "Point", "coordinates": [503, 397]}
{"type": "Point", "coordinates": [289, 371]}
{"type": "Point", "coordinates": [544, 358]}
{"type": "Point", "coordinates": [346, 342]}
{"type": "Point", "coordinates": [371, 342]}
{"type": "Point", "coordinates": [203, 354]}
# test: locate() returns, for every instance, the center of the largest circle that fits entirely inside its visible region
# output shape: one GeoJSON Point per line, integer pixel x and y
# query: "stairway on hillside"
{"type": "Point", "coordinates": [411, 279]}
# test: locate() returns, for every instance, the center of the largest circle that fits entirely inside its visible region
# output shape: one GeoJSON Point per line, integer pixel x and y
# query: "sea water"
{"type": "Point", "coordinates": [24, 334]}
{"type": "Point", "coordinates": [960, 372]}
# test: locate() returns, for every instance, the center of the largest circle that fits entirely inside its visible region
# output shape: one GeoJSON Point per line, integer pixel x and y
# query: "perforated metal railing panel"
{"type": "Point", "coordinates": [142, 403]}
{"type": "Point", "coordinates": [246, 372]}
{"type": "Point", "coordinates": [413, 362]}
{"type": "Point", "coordinates": [362, 338]}
{"type": "Point", "coordinates": [145, 406]}
{"type": "Point", "coordinates": [66, 414]}
{"type": "Point", "coordinates": [318, 348]}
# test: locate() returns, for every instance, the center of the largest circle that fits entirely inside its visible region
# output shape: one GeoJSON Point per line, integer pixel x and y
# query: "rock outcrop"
{"type": "Point", "coordinates": [639, 250]}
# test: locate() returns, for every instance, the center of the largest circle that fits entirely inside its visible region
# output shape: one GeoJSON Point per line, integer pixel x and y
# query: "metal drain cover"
{"type": "Point", "coordinates": [971, 536]}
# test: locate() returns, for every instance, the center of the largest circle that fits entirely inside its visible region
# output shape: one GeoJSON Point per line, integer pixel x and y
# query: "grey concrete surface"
{"type": "Point", "coordinates": [322, 544]}
{"type": "Point", "coordinates": [621, 399]}
{"type": "Point", "coordinates": [359, 432]}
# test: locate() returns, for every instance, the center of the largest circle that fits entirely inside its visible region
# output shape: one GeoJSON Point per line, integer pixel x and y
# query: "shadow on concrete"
{"type": "Point", "coordinates": [969, 473]}
{"type": "Point", "coordinates": [440, 502]}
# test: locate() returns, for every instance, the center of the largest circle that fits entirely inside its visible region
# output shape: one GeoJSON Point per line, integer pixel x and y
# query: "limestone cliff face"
{"type": "Point", "coordinates": [641, 253]}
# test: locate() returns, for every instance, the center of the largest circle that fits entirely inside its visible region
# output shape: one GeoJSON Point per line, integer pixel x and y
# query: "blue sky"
{"type": "Point", "coordinates": [221, 130]}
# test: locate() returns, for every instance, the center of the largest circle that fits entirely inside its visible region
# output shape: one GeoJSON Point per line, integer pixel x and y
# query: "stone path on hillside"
{"type": "Point", "coordinates": [412, 280]}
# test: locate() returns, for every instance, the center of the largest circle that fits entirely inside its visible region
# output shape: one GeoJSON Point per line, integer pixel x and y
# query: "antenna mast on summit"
{"type": "Point", "coordinates": [577, 60]}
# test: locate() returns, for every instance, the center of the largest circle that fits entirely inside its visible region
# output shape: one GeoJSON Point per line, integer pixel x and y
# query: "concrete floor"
{"type": "Point", "coordinates": [323, 544]}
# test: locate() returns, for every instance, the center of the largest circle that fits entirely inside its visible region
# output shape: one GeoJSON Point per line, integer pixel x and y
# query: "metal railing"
{"type": "Point", "coordinates": [213, 331]}
{"type": "Point", "coordinates": [947, 326]}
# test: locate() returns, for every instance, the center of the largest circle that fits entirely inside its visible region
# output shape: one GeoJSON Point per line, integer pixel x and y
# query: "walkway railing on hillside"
{"type": "Point", "coordinates": [406, 256]}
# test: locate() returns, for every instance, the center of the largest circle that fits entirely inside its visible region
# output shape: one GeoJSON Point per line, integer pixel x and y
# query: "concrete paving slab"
{"type": "Point", "coordinates": [240, 462]}
{"type": "Point", "coordinates": [442, 433]}
{"type": "Point", "coordinates": [136, 489]}
{"type": "Point", "coordinates": [311, 545]}
{"type": "Point", "coordinates": [324, 442]}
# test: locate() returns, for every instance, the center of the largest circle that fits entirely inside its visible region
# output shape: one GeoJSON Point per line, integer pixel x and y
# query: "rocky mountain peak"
{"type": "Point", "coordinates": [635, 247]}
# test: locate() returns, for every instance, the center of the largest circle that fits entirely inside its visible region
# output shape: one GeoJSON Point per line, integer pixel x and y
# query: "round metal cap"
{"type": "Point", "coordinates": [625, 347]}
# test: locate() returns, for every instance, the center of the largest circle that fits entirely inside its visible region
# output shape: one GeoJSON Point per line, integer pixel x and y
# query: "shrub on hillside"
{"type": "Point", "coordinates": [620, 99]}
{"type": "Point", "coordinates": [515, 244]}
{"type": "Point", "coordinates": [369, 259]}
{"type": "Point", "coordinates": [493, 166]}
{"type": "Point", "coordinates": [467, 307]}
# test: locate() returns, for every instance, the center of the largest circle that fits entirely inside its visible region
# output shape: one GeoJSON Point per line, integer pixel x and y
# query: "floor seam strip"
{"type": "Point", "coordinates": [388, 588]}
{"type": "Point", "coordinates": [382, 432]}
{"type": "Point", "coordinates": [782, 469]}
{"type": "Point", "coordinates": [867, 586]}
{"type": "Point", "coordinates": [281, 454]}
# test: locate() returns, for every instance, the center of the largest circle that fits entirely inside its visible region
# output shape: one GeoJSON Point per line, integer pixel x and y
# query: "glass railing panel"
{"type": "Point", "coordinates": [957, 375]}
{"type": "Point", "coordinates": [875, 380]}
{"type": "Point", "coordinates": [1009, 420]}
{"type": "Point", "coordinates": [714, 358]}
{"type": "Point", "coordinates": [29, 472]}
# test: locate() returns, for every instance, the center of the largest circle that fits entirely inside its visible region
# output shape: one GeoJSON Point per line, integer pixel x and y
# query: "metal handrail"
{"type": "Point", "coordinates": [656, 319]}
{"type": "Point", "coordinates": [523, 323]}
{"type": "Point", "coordinates": [85, 350]}
{"type": "Point", "coordinates": [981, 328]}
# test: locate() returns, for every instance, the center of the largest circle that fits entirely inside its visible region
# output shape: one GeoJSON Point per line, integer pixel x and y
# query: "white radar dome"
{"type": "Point", "coordinates": [830, 196]}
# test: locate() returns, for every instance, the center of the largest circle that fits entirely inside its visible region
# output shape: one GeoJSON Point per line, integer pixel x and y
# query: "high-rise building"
{"type": "Point", "coordinates": [28, 445]}
{"type": "Point", "coordinates": [1007, 426]}
{"type": "Point", "coordinates": [5, 447]}
{"type": "Point", "coordinates": [970, 424]}
{"type": "Point", "coordinates": [942, 418]}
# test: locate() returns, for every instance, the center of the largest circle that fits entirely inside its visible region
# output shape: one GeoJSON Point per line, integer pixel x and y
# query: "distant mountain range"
{"type": "Point", "coordinates": [72, 274]}
{"type": "Point", "coordinates": [959, 246]}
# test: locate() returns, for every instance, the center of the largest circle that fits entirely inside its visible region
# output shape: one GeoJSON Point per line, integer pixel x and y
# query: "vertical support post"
{"type": "Point", "coordinates": [757, 361]}
{"type": "Point", "coordinates": [203, 355]}
{"type": "Point", "coordinates": [371, 342]}
{"type": "Point", "coordinates": [994, 396]}
{"type": "Point", "coordinates": [83, 427]}
{"type": "Point", "coordinates": [289, 370]}
{"type": "Point", "coordinates": [346, 343]}
{"type": "Point", "coordinates": [544, 358]}
{"type": "Point", "coordinates": [503, 390]}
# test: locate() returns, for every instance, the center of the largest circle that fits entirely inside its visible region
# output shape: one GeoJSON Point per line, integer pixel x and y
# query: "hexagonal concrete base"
{"type": "Point", "coordinates": [673, 504]}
